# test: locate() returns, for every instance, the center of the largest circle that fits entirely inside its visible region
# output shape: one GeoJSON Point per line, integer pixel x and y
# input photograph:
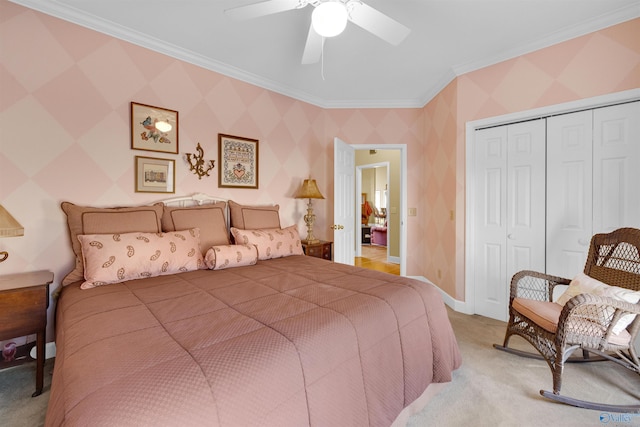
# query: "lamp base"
{"type": "Point", "coordinates": [309, 219]}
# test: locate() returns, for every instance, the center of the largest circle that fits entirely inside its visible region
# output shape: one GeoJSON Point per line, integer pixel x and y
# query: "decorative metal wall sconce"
{"type": "Point", "coordinates": [197, 163]}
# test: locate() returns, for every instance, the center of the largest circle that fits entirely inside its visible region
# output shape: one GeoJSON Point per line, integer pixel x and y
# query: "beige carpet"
{"type": "Point", "coordinates": [492, 388]}
{"type": "Point", "coordinates": [17, 384]}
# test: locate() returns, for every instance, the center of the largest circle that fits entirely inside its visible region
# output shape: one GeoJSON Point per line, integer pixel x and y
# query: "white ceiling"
{"type": "Point", "coordinates": [448, 38]}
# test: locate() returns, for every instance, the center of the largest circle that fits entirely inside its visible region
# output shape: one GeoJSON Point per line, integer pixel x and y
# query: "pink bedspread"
{"type": "Point", "coordinates": [288, 342]}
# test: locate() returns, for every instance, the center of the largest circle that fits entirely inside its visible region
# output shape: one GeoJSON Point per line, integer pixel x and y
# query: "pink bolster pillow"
{"type": "Point", "coordinates": [226, 256]}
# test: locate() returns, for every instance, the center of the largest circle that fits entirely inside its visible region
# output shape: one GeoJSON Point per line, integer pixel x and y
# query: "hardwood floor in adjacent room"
{"type": "Point", "coordinates": [375, 258]}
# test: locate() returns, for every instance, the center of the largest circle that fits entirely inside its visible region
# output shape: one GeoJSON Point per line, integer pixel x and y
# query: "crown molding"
{"type": "Point", "coordinates": [612, 18]}
{"type": "Point", "coordinates": [92, 22]}
{"type": "Point", "coordinates": [101, 25]}
{"type": "Point", "coordinates": [435, 89]}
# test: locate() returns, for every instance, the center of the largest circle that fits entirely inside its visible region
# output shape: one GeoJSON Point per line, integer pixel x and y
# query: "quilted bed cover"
{"type": "Point", "coordinates": [288, 342]}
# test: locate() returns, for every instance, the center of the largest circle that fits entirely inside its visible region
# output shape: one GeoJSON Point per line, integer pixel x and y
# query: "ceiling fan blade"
{"type": "Point", "coordinates": [268, 7]}
{"type": "Point", "coordinates": [377, 23]}
{"type": "Point", "coordinates": [313, 47]}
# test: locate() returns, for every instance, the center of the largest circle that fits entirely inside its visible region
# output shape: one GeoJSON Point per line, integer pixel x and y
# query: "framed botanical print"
{"type": "Point", "coordinates": [238, 162]}
{"type": "Point", "coordinates": [154, 128]}
{"type": "Point", "coordinates": [155, 175]}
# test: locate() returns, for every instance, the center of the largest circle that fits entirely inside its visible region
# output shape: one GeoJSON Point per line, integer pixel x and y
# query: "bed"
{"type": "Point", "coordinates": [247, 332]}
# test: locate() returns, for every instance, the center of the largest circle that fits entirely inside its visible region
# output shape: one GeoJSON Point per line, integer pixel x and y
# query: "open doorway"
{"type": "Point", "coordinates": [373, 179]}
{"type": "Point", "coordinates": [372, 247]}
{"type": "Point", "coordinates": [347, 206]}
{"type": "Point", "coordinates": [379, 213]}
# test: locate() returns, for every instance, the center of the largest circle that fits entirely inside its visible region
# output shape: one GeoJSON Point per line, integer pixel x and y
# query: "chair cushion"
{"type": "Point", "coordinates": [623, 338]}
{"type": "Point", "coordinates": [546, 314]}
{"type": "Point", "coordinates": [543, 313]}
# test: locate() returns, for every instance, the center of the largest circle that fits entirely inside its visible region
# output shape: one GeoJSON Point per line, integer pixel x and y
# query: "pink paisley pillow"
{"type": "Point", "coordinates": [114, 258]}
{"type": "Point", "coordinates": [226, 256]}
{"type": "Point", "coordinates": [271, 243]}
{"type": "Point", "coordinates": [92, 220]}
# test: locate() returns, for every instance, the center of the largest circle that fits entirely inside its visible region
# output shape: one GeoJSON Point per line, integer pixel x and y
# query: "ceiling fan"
{"type": "Point", "coordinates": [335, 14]}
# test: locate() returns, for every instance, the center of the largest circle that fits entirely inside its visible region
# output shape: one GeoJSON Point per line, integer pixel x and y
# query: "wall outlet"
{"type": "Point", "coordinates": [412, 211]}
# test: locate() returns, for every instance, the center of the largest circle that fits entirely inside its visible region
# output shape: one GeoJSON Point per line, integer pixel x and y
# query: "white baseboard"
{"type": "Point", "coordinates": [49, 351]}
{"type": "Point", "coordinates": [454, 304]}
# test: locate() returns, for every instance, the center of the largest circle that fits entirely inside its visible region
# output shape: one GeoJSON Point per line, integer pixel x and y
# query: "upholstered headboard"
{"type": "Point", "coordinates": [194, 199]}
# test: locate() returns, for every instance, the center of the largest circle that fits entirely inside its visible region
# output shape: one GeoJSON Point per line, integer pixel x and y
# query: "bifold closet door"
{"type": "Point", "coordinates": [616, 167]}
{"type": "Point", "coordinates": [569, 192]}
{"type": "Point", "coordinates": [593, 181]}
{"type": "Point", "coordinates": [510, 210]}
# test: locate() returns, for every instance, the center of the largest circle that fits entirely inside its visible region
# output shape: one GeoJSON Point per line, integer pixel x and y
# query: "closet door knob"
{"type": "Point", "coordinates": [510, 236]}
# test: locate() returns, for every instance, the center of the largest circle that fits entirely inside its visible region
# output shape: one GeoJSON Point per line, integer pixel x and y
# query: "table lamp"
{"type": "Point", "coordinates": [9, 227]}
{"type": "Point", "coordinates": [309, 190]}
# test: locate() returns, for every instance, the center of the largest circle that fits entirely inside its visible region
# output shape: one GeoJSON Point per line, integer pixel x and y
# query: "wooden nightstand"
{"type": "Point", "coordinates": [24, 298]}
{"type": "Point", "coordinates": [321, 249]}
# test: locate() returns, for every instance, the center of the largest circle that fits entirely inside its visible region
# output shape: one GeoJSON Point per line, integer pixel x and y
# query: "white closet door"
{"type": "Point", "coordinates": [616, 167]}
{"type": "Point", "coordinates": [593, 176]}
{"type": "Point", "coordinates": [491, 224]}
{"type": "Point", "coordinates": [569, 192]}
{"type": "Point", "coordinates": [526, 213]}
{"type": "Point", "coordinates": [510, 211]}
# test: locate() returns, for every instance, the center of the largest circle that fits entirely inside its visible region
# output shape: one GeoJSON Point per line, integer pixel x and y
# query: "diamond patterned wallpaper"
{"type": "Point", "coordinates": [599, 63]}
{"type": "Point", "coordinates": [64, 132]}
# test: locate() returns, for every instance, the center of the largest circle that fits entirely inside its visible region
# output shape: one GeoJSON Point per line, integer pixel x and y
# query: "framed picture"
{"type": "Point", "coordinates": [154, 128]}
{"type": "Point", "coordinates": [238, 160]}
{"type": "Point", "coordinates": [155, 175]}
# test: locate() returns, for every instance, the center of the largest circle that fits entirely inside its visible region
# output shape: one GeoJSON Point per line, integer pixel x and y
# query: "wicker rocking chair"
{"type": "Point", "coordinates": [586, 321]}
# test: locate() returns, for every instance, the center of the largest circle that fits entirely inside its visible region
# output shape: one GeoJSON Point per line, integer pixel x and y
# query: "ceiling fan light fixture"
{"type": "Point", "coordinates": [329, 18]}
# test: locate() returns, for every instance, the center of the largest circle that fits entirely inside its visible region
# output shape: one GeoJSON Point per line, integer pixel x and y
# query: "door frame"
{"type": "Point", "coordinates": [403, 195]}
{"type": "Point", "coordinates": [468, 306]}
